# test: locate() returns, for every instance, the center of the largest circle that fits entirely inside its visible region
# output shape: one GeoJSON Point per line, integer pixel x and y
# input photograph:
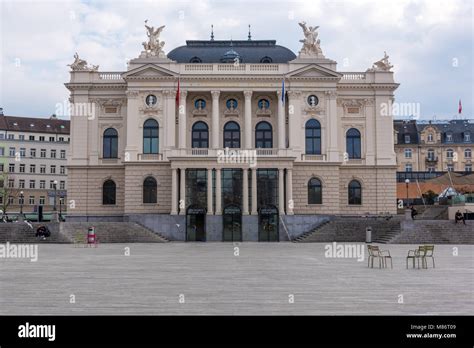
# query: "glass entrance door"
{"type": "Point", "coordinates": [232, 224]}
{"type": "Point", "coordinates": [196, 225]}
{"type": "Point", "coordinates": [268, 224]}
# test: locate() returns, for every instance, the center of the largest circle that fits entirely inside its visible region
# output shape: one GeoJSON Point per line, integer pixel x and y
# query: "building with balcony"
{"type": "Point", "coordinates": [434, 146]}
{"type": "Point", "coordinates": [33, 163]}
{"type": "Point", "coordinates": [230, 141]}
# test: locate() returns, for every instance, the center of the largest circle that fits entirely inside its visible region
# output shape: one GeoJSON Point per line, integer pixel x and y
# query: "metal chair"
{"type": "Point", "coordinates": [385, 254]}
{"type": "Point", "coordinates": [374, 252]}
{"type": "Point", "coordinates": [428, 252]}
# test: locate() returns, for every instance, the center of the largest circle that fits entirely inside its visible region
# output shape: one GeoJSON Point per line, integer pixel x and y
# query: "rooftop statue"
{"type": "Point", "coordinates": [311, 43]}
{"type": "Point", "coordinates": [81, 65]}
{"type": "Point", "coordinates": [154, 47]}
{"type": "Point", "coordinates": [382, 64]}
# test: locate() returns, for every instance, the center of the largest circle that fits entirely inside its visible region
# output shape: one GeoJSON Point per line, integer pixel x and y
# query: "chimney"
{"type": "Point", "coordinates": [1, 111]}
{"type": "Point", "coordinates": [53, 117]}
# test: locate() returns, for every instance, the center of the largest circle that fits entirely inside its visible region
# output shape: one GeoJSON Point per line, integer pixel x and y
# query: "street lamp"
{"type": "Point", "coordinates": [407, 181]}
{"type": "Point", "coordinates": [60, 210]}
{"type": "Point", "coordinates": [55, 188]}
{"type": "Point", "coordinates": [21, 202]}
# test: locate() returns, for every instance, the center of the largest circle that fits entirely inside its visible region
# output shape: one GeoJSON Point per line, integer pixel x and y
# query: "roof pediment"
{"type": "Point", "coordinates": [148, 71]}
{"type": "Point", "coordinates": [314, 71]}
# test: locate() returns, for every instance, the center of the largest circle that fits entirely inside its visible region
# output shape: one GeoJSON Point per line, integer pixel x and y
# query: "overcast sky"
{"type": "Point", "coordinates": [430, 42]}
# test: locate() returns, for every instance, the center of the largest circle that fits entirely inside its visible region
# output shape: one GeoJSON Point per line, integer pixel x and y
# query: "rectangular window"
{"type": "Point", "coordinates": [449, 137]}
{"type": "Point", "coordinates": [32, 168]}
{"type": "Point", "coordinates": [22, 168]}
{"type": "Point", "coordinates": [11, 168]}
{"type": "Point", "coordinates": [2, 151]}
{"type": "Point", "coordinates": [61, 139]}
{"type": "Point", "coordinates": [431, 169]}
{"type": "Point", "coordinates": [32, 137]}
{"type": "Point", "coordinates": [2, 136]}
{"type": "Point", "coordinates": [53, 153]}
{"type": "Point", "coordinates": [53, 169]}
{"type": "Point", "coordinates": [450, 168]}
{"type": "Point", "coordinates": [32, 184]}
{"type": "Point", "coordinates": [62, 170]}
{"type": "Point", "coordinates": [408, 167]}
{"type": "Point", "coordinates": [51, 184]}
{"type": "Point", "coordinates": [407, 139]}
{"type": "Point", "coordinates": [468, 168]}
{"type": "Point", "coordinates": [51, 139]}
{"type": "Point", "coordinates": [42, 184]}
{"type": "Point", "coordinates": [43, 153]}
{"type": "Point", "coordinates": [407, 153]}
{"type": "Point", "coordinates": [467, 137]}
{"type": "Point", "coordinates": [11, 183]}
{"type": "Point", "coordinates": [41, 200]}
{"type": "Point", "coordinates": [21, 200]}
{"type": "Point", "coordinates": [11, 136]}
{"type": "Point", "coordinates": [22, 152]}
{"type": "Point", "coordinates": [62, 185]}
{"type": "Point", "coordinates": [31, 200]}
{"type": "Point", "coordinates": [21, 137]}
{"type": "Point", "coordinates": [1, 168]}
{"type": "Point", "coordinates": [1, 199]}
{"type": "Point", "coordinates": [63, 154]}
{"type": "Point", "coordinates": [21, 184]}
{"type": "Point", "coordinates": [41, 138]}
{"type": "Point", "coordinates": [33, 153]}
{"type": "Point", "coordinates": [12, 151]}
{"type": "Point", "coordinates": [43, 169]}
{"type": "Point", "coordinates": [11, 200]}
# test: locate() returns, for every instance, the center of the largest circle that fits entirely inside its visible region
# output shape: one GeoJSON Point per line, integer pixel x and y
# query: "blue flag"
{"type": "Point", "coordinates": [283, 91]}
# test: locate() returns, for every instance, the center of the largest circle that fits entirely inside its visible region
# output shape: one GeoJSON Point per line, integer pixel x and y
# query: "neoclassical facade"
{"type": "Point", "coordinates": [230, 140]}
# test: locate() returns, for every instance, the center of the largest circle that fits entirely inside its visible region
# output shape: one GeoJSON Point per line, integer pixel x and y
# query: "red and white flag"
{"type": "Point", "coordinates": [177, 94]}
{"type": "Point", "coordinates": [460, 107]}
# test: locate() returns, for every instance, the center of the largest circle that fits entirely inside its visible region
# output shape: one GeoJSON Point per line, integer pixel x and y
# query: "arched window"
{"type": "Point", "coordinates": [449, 153]}
{"type": "Point", "coordinates": [200, 135]}
{"type": "Point", "coordinates": [109, 192]}
{"type": "Point", "coordinates": [110, 146]}
{"type": "Point", "coordinates": [353, 143]}
{"type": "Point", "coordinates": [355, 192]}
{"type": "Point", "coordinates": [263, 135]}
{"type": "Point", "coordinates": [232, 135]}
{"type": "Point", "coordinates": [467, 153]}
{"type": "Point", "coordinates": [313, 137]}
{"type": "Point", "coordinates": [315, 191]}
{"type": "Point", "coordinates": [200, 104]}
{"type": "Point", "coordinates": [149, 190]}
{"type": "Point", "coordinates": [266, 59]}
{"type": "Point", "coordinates": [150, 136]}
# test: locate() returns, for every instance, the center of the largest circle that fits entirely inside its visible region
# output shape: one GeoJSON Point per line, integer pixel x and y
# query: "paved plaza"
{"type": "Point", "coordinates": [262, 280]}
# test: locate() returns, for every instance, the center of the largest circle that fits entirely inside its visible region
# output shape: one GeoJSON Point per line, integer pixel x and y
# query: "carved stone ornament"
{"type": "Point", "coordinates": [311, 44]}
{"type": "Point", "coordinates": [153, 47]}
{"type": "Point", "coordinates": [81, 65]}
{"type": "Point", "coordinates": [382, 64]}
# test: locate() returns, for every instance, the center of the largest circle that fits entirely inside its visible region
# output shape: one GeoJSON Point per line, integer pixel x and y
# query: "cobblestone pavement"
{"type": "Point", "coordinates": [263, 280]}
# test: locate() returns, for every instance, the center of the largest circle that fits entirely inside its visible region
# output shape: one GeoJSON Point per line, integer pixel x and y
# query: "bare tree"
{"type": "Point", "coordinates": [7, 192]}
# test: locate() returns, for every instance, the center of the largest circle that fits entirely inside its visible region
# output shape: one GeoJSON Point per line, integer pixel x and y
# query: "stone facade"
{"type": "Point", "coordinates": [247, 93]}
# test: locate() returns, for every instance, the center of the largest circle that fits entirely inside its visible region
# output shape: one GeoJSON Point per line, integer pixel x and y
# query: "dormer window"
{"type": "Point", "coordinates": [449, 137]}
{"type": "Point", "coordinates": [407, 138]}
{"type": "Point", "coordinates": [430, 137]}
{"type": "Point", "coordinates": [467, 137]}
{"type": "Point", "coordinates": [266, 59]}
{"type": "Point", "coordinates": [195, 60]}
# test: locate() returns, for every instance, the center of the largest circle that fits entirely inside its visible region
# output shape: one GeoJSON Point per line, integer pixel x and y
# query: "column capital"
{"type": "Point", "coordinates": [169, 93]}
{"type": "Point", "coordinates": [248, 94]}
{"type": "Point", "coordinates": [183, 94]}
{"type": "Point", "coordinates": [215, 94]}
{"type": "Point", "coordinates": [293, 93]}
{"type": "Point", "coordinates": [331, 94]}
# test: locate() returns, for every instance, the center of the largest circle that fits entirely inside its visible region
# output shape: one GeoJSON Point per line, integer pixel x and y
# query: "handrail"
{"type": "Point", "coordinates": [286, 230]}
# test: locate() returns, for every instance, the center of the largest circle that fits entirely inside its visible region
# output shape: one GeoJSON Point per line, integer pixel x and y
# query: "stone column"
{"type": "Point", "coordinates": [333, 129]}
{"type": "Point", "coordinates": [131, 147]}
{"type": "Point", "coordinates": [245, 195]}
{"type": "Point", "coordinates": [218, 192]}
{"type": "Point", "coordinates": [170, 122]}
{"type": "Point", "coordinates": [174, 191]}
{"type": "Point", "coordinates": [182, 191]}
{"type": "Point", "coordinates": [209, 192]}
{"type": "Point", "coordinates": [248, 120]}
{"type": "Point", "coordinates": [215, 119]}
{"type": "Point", "coordinates": [281, 122]}
{"type": "Point", "coordinates": [182, 119]}
{"type": "Point", "coordinates": [295, 136]}
{"type": "Point", "coordinates": [289, 192]}
{"type": "Point", "coordinates": [281, 191]}
{"type": "Point", "coordinates": [254, 191]}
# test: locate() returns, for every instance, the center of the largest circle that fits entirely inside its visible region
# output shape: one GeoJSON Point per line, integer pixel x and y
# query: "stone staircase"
{"type": "Point", "coordinates": [20, 232]}
{"type": "Point", "coordinates": [435, 232]}
{"type": "Point", "coordinates": [434, 212]}
{"type": "Point", "coordinates": [352, 229]}
{"type": "Point", "coordinates": [112, 232]}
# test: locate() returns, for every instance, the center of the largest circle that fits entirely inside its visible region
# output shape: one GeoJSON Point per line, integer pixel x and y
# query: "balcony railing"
{"type": "Point", "coordinates": [267, 152]}
{"type": "Point", "coordinates": [353, 76]}
{"type": "Point", "coordinates": [313, 158]}
{"type": "Point", "coordinates": [197, 152]}
{"type": "Point", "coordinates": [431, 159]}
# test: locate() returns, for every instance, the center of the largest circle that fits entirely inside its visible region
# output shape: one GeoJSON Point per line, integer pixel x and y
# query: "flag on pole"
{"type": "Point", "coordinates": [177, 94]}
{"type": "Point", "coordinates": [460, 107]}
{"type": "Point", "coordinates": [283, 91]}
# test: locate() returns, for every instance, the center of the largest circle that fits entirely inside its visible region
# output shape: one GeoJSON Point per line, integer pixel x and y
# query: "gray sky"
{"type": "Point", "coordinates": [430, 42]}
